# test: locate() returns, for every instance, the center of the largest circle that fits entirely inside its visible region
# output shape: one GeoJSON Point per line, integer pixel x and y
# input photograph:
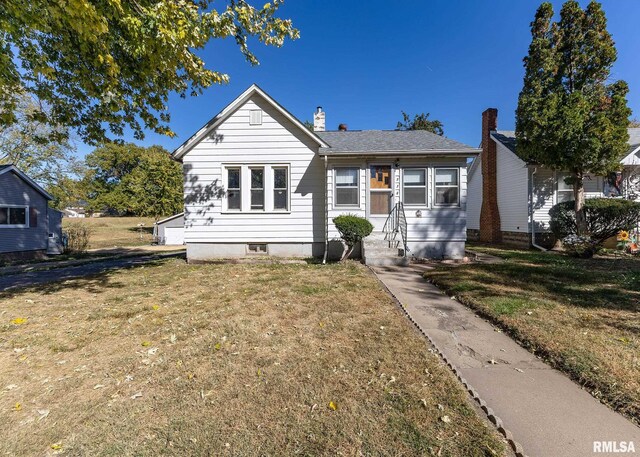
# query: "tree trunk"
{"type": "Point", "coordinates": [578, 196]}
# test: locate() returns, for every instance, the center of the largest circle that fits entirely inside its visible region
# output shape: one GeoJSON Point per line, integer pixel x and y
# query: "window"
{"type": "Point", "coordinates": [255, 117]}
{"type": "Point", "coordinates": [257, 188]}
{"type": "Point", "coordinates": [347, 186]}
{"type": "Point", "coordinates": [234, 195]}
{"type": "Point", "coordinates": [565, 191]}
{"type": "Point", "coordinates": [447, 187]}
{"type": "Point", "coordinates": [254, 248]}
{"type": "Point", "coordinates": [414, 186]}
{"type": "Point", "coordinates": [11, 216]}
{"type": "Point", "coordinates": [280, 189]}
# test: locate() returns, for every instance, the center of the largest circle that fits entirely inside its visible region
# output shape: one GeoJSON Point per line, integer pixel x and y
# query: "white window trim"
{"type": "Point", "coordinates": [245, 188]}
{"type": "Point", "coordinates": [560, 174]}
{"type": "Point", "coordinates": [274, 188]}
{"type": "Point", "coordinates": [10, 226]}
{"type": "Point", "coordinates": [335, 188]}
{"type": "Point", "coordinates": [435, 187]}
{"type": "Point", "coordinates": [226, 181]}
{"type": "Point", "coordinates": [426, 188]}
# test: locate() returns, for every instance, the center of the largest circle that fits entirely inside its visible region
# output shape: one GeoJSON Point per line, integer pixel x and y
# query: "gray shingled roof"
{"type": "Point", "coordinates": [508, 138]}
{"type": "Point", "coordinates": [396, 141]}
{"type": "Point", "coordinates": [5, 166]}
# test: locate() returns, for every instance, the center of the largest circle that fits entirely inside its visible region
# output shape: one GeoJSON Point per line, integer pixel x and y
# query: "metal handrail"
{"type": "Point", "coordinates": [397, 223]}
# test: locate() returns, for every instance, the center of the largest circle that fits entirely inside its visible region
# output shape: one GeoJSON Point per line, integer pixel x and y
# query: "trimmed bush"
{"type": "Point", "coordinates": [352, 229]}
{"type": "Point", "coordinates": [605, 218]}
{"type": "Point", "coordinates": [77, 238]}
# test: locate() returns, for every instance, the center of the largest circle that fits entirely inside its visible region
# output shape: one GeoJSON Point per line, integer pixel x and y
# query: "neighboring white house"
{"type": "Point", "coordinates": [509, 199]}
{"type": "Point", "coordinates": [257, 181]}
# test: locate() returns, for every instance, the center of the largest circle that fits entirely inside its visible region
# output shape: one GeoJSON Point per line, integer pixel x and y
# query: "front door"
{"type": "Point", "coordinates": [380, 195]}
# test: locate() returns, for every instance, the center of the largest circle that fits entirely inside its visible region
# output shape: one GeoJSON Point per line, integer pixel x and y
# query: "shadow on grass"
{"type": "Point", "coordinates": [94, 279]}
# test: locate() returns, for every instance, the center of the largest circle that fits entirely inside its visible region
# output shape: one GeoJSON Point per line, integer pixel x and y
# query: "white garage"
{"type": "Point", "coordinates": [169, 231]}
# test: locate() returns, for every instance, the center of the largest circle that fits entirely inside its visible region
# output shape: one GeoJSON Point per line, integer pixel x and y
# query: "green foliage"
{"type": "Point", "coordinates": [570, 117]}
{"type": "Point", "coordinates": [67, 191]}
{"type": "Point", "coordinates": [420, 122]}
{"type": "Point", "coordinates": [106, 65]}
{"type": "Point", "coordinates": [78, 235]}
{"type": "Point", "coordinates": [352, 230]}
{"type": "Point", "coordinates": [133, 180]}
{"type": "Point", "coordinates": [605, 217]}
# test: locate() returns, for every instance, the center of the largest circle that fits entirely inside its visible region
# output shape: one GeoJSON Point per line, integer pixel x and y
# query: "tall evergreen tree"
{"type": "Point", "coordinates": [569, 116]}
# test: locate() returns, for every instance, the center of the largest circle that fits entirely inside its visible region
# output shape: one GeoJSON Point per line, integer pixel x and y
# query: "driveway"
{"type": "Point", "coordinates": [33, 278]}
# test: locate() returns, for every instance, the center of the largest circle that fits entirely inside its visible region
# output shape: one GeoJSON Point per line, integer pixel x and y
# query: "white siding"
{"type": "Point", "coordinates": [334, 211]}
{"type": "Point", "coordinates": [474, 197]}
{"type": "Point", "coordinates": [274, 141]}
{"type": "Point", "coordinates": [512, 188]}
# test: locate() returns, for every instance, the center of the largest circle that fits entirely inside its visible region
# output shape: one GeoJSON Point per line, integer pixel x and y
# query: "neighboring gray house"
{"type": "Point", "coordinates": [26, 222]}
{"type": "Point", "coordinates": [257, 181]}
{"type": "Point", "coordinates": [509, 199]}
{"type": "Point", "coordinates": [169, 231]}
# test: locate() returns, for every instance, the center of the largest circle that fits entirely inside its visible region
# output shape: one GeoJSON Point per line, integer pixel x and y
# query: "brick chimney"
{"type": "Point", "coordinates": [489, 213]}
{"type": "Point", "coordinates": [318, 120]}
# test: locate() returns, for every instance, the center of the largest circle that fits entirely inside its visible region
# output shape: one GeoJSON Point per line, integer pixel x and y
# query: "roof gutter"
{"type": "Point", "coordinates": [430, 153]}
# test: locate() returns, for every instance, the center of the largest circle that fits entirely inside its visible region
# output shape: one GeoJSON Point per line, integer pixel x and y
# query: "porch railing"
{"type": "Point", "coordinates": [395, 224]}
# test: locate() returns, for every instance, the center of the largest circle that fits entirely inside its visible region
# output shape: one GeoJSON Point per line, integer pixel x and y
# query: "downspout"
{"type": "Point", "coordinates": [326, 212]}
{"type": "Point", "coordinates": [532, 200]}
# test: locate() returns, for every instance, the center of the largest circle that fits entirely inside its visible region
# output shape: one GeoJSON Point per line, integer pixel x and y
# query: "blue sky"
{"type": "Point", "coordinates": [364, 64]}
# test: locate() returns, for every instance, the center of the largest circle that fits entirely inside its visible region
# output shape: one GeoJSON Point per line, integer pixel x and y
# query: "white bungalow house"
{"type": "Point", "coordinates": [257, 181]}
{"type": "Point", "coordinates": [509, 199]}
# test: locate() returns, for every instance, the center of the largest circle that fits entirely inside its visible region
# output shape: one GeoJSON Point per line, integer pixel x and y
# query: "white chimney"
{"type": "Point", "coordinates": [318, 120]}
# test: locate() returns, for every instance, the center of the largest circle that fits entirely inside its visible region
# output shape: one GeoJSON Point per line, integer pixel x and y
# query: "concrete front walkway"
{"type": "Point", "coordinates": [546, 412]}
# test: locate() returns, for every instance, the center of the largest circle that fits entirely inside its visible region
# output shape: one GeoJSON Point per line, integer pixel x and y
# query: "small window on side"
{"type": "Point", "coordinates": [280, 189]}
{"type": "Point", "coordinates": [447, 187]}
{"type": "Point", "coordinates": [347, 186]}
{"type": "Point", "coordinates": [255, 117]}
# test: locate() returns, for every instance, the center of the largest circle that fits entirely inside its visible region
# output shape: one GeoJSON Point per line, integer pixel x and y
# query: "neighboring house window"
{"type": "Point", "coordinates": [280, 189]}
{"type": "Point", "coordinates": [257, 188]}
{"type": "Point", "coordinates": [565, 191]}
{"type": "Point", "coordinates": [13, 216]}
{"type": "Point", "coordinates": [447, 187]}
{"type": "Point", "coordinates": [414, 183]}
{"type": "Point", "coordinates": [347, 186]}
{"type": "Point", "coordinates": [234, 195]}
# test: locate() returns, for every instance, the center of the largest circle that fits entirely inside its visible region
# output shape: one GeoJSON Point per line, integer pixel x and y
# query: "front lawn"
{"type": "Point", "coordinates": [177, 359]}
{"type": "Point", "coordinates": [581, 315]}
{"type": "Point", "coordinates": [109, 232]}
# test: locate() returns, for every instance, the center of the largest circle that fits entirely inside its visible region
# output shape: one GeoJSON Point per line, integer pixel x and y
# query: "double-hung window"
{"type": "Point", "coordinates": [414, 186]}
{"type": "Point", "coordinates": [234, 191]}
{"type": "Point", "coordinates": [13, 216]}
{"type": "Point", "coordinates": [257, 188]}
{"type": "Point", "coordinates": [347, 186]}
{"type": "Point", "coordinates": [447, 187]}
{"type": "Point", "coordinates": [564, 190]}
{"type": "Point", "coordinates": [280, 189]}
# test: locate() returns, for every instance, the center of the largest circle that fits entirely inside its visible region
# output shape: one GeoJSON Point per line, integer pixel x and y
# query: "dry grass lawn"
{"type": "Point", "coordinates": [109, 232]}
{"type": "Point", "coordinates": [215, 360]}
{"type": "Point", "coordinates": [581, 315]}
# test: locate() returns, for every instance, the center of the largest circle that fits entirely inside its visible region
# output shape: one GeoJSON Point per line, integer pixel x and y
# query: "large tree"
{"type": "Point", "coordinates": [103, 66]}
{"type": "Point", "coordinates": [41, 151]}
{"type": "Point", "coordinates": [133, 180]}
{"type": "Point", "coordinates": [420, 122]}
{"type": "Point", "coordinates": [570, 116]}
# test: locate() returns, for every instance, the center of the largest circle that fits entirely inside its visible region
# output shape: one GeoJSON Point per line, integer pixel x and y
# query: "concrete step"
{"type": "Point", "coordinates": [381, 243]}
{"type": "Point", "coordinates": [386, 260]}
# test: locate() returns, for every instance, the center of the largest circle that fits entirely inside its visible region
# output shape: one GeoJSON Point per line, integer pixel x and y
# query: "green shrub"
{"type": "Point", "coordinates": [605, 217]}
{"type": "Point", "coordinates": [77, 238]}
{"type": "Point", "coordinates": [352, 229]}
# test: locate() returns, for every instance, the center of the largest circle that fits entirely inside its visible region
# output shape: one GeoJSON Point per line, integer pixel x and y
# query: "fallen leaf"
{"type": "Point", "coordinates": [173, 338]}
{"type": "Point", "coordinates": [156, 307]}
{"type": "Point", "coordinates": [17, 407]}
{"type": "Point", "coordinates": [146, 343]}
{"type": "Point", "coordinates": [333, 406]}
{"type": "Point", "coordinates": [56, 446]}
{"type": "Point", "coordinates": [98, 386]}
{"type": "Point", "coordinates": [19, 321]}
{"type": "Point", "coordinates": [445, 419]}
{"type": "Point", "coordinates": [424, 402]}
{"type": "Point", "coordinates": [217, 346]}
